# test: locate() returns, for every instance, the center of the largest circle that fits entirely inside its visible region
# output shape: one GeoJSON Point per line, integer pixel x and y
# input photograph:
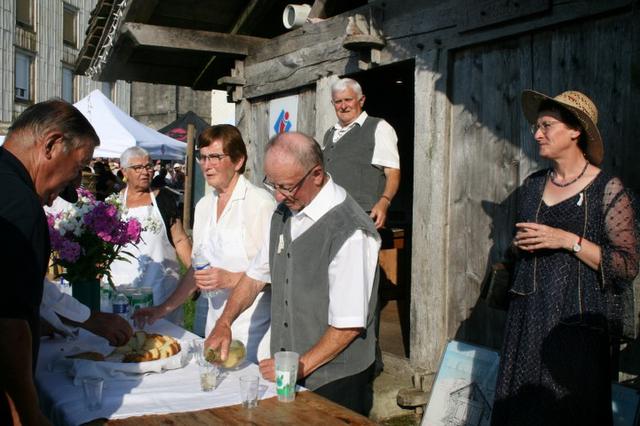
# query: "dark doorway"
{"type": "Point", "coordinates": [389, 92]}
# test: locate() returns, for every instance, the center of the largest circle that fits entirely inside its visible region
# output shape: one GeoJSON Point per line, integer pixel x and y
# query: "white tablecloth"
{"type": "Point", "coordinates": [172, 391]}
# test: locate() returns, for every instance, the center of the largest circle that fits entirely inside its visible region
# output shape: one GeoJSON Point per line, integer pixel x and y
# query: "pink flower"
{"type": "Point", "coordinates": [134, 229]}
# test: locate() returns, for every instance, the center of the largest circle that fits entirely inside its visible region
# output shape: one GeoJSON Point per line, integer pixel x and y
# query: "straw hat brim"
{"type": "Point", "coordinates": [531, 101]}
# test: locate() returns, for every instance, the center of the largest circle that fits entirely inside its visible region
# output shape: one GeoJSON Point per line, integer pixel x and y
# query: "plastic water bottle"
{"type": "Point", "coordinates": [199, 263]}
{"type": "Point", "coordinates": [121, 306]}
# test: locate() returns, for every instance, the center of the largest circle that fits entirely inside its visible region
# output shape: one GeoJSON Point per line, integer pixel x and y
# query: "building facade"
{"type": "Point", "coordinates": [39, 43]}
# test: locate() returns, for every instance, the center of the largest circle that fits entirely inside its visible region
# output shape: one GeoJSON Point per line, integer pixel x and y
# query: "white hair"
{"type": "Point", "coordinates": [347, 83]}
{"type": "Point", "coordinates": [132, 152]}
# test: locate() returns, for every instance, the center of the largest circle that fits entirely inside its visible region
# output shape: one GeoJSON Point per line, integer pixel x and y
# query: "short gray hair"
{"type": "Point", "coordinates": [132, 152]}
{"type": "Point", "coordinates": [303, 148]}
{"type": "Point", "coordinates": [347, 83]}
{"type": "Point", "coordinates": [54, 115]}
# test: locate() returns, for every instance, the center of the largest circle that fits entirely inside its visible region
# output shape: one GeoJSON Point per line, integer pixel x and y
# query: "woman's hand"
{"type": "Point", "coordinates": [534, 236]}
{"type": "Point", "coordinates": [144, 316]}
{"type": "Point", "coordinates": [213, 279]}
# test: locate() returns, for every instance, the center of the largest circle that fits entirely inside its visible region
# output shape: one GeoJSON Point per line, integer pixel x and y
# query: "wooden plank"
{"type": "Point", "coordinates": [299, 68]}
{"type": "Point", "coordinates": [325, 112]}
{"type": "Point", "coordinates": [430, 211]}
{"type": "Point", "coordinates": [307, 35]}
{"type": "Point", "coordinates": [308, 408]}
{"type": "Point", "coordinates": [297, 58]}
{"type": "Point", "coordinates": [484, 13]}
{"type": "Point", "coordinates": [306, 111]}
{"type": "Point", "coordinates": [486, 127]}
{"type": "Point", "coordinates": [178, 38]}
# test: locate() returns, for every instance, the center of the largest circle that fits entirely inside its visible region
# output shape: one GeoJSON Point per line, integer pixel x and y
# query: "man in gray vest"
{"type": "Point", "coordinates": [320, 256]}
{"type": "Point", "coordinates": [361, 152]}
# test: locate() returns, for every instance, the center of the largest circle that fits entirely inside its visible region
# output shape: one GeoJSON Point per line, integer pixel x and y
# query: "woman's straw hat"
{"type": "Point", "coordinates": [580, 106]}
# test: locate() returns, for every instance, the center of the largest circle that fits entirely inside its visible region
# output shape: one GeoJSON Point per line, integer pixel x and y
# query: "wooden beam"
{"type": "Point", "coordinates": [182, 39]}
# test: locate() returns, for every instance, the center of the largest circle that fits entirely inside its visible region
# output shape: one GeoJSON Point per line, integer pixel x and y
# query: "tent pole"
{"type": "Point", "coordinates": [188, 181]}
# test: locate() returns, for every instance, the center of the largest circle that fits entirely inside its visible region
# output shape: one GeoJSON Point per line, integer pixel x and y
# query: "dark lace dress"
{"type": "Point", "coordinates": [555, 362]}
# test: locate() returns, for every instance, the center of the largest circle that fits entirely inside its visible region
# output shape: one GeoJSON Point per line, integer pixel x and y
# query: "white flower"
{"type": "Point", "coordinates": [151, 224]}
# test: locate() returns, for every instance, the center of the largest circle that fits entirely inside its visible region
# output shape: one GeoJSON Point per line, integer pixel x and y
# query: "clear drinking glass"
{"type": "Point", "coordinates": [92, 389]}
{"type": "Point", "coordinates": [249, 391]}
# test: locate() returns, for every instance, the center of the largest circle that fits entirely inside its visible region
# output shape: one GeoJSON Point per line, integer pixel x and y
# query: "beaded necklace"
{"type": "Point", "coordinates": [552, 175]}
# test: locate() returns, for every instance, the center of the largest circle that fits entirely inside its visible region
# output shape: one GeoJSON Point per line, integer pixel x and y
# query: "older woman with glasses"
{"type": "Point", "coordinates": [577, 242]}
{"type": "Point", "coordinates": [154, 261]}
{"type": "Point", "coordinates": [229, 227]}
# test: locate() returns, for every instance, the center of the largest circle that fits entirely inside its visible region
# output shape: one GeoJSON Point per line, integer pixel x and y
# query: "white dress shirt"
{"type": "Point", "coordinates": [351, 272]}
{"type": "Point", "coordinates": [230, 242]}
{"type": "Point", "coordinates": [385, 150]}
{"type": "Point", "coordinates": [55, 302]}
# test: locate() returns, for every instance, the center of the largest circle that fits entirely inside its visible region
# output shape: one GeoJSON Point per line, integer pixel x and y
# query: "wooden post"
{"type": "Point", "coordinates": [188, 180]}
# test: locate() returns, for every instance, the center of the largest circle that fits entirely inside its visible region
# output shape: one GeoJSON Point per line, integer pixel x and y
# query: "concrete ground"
{"type": "Point", "coordinates": [396, 376]}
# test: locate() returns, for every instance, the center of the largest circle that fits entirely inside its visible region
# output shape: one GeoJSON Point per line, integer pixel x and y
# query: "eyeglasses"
{"type": "Point", "coordinates": [290, 191]}
{"type": "Point", "coordinates": [214, 158]}
{"type": "Point", "coordinates": [544, 126]}
{"type": "Point", "coordinates": [139, 167]}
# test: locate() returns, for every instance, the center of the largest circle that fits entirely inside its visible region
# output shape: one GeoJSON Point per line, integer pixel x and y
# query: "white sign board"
{"type": "Point", "coordinates": [283, 115]}
{"type": "Point", "coordinates": [464, 388]}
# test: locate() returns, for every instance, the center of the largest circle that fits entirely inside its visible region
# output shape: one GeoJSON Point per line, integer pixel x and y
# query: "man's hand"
{"type": "Point", "coordinates": [220, 337]}
{"type": "Point", "coordinates": [268, 369]}
{"type": "Point", "coordinates": [144, 316]}
{"type": "Point", "coordinates": [112, 327]}
{"type": "Point", "coordinates": [379, 212]}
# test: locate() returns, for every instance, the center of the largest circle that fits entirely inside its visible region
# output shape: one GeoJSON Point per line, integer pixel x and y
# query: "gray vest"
{"type": "Point", "coordinates": [300, 289]}
{"type": "Point", "coordinates": [349, 163]}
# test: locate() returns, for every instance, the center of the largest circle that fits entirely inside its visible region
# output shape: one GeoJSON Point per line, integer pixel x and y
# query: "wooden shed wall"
{"type": "Point", "coordinates": [472, 146]}
{"type": "Point", "coordinates": [492, 150]}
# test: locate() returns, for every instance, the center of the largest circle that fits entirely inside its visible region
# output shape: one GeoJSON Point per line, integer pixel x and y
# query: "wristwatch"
{"type": "Point", "coordinates": [577, 246]}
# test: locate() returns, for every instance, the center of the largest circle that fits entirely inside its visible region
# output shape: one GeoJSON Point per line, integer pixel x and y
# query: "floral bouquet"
{"type": "Point", "coordinates": [88, 235]}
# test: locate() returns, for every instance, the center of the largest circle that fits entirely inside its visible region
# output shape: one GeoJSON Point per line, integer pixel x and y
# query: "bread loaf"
{"type": "Point", "coordinates": [148, 347]}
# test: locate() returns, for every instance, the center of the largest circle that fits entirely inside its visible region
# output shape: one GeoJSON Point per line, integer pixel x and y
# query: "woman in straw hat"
{"type": "Point", "coordinates": [578, 251]}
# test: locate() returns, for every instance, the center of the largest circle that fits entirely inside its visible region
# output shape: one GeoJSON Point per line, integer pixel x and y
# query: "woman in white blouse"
{"type": "Point", "coordinates": [228, 227]}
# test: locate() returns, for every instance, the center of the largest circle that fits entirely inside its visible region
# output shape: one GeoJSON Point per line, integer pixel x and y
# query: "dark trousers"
{"type": "Point", "coordinates": [354, 392]}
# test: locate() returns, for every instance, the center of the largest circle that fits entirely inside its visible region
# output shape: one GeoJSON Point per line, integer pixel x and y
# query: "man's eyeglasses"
{"type": "Point", "coordinates": [139, 167]}
{"type": "Point", "coordinates": [214, 158]}
{"type": "Point", "coordinates": [544, 126]}
{"type": "Point", "coordinates": [290, 191]}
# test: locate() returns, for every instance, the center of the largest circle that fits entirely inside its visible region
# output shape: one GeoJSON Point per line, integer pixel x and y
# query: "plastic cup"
{"type": "Point", "coordinates": [208, 376]}
{"type": "Point", "coordinates": [92, 388]}
{"type": "Point", "coordinates": [249, 391]}
{"type": "Point", "coordinates": [286, 375]}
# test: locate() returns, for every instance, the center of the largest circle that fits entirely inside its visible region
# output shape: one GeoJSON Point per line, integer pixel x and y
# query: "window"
{"type": "Point", "coordinates": [105, 88]}
{"type": "Point", "coordinates": [67, 84]}
{"type": "Point", "coordinates": [24, 13]}
{"type": "Point", "coordinates": [69, 26]}
{"type": "Point", "coordinates": [24, 65]}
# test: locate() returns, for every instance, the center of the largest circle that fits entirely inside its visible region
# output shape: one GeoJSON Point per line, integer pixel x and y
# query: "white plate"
{"type": "Point", "coordinates": [176, 361]}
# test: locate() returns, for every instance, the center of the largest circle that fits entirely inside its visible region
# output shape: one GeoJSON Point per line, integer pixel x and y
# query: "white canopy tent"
{"type": "Point", "coordinates": [119, 131]}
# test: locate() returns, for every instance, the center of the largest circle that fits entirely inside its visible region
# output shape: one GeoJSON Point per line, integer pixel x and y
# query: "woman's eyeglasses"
{"type": "Point", "coordinates": [140, 167]}
{"type": "Point", "coordinates": [214, 158]}
{"type": "Point", "coordinates": [544, 126]}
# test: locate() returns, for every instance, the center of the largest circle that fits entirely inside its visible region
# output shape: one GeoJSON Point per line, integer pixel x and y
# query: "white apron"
{"type": "Point", "coordinates": [154, 264]}
{"type": "Point", "coordinates": [224, 248]}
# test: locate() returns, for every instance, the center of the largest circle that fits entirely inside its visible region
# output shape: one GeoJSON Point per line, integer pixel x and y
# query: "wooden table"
{"type": "Point", "coordinates": [307, 409]}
